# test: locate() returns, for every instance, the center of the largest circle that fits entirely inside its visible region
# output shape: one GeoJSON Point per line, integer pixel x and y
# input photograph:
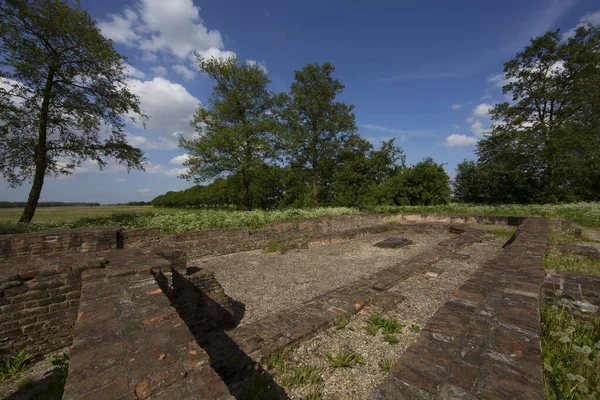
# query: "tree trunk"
{"type": "Point", "coordinates": [245, 191]}
{"type": "Point", "coordinates": [40, 154]}
{"type": "Point", "coordinates": [315, 189]}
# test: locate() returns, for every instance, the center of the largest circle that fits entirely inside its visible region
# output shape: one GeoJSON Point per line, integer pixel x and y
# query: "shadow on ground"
{"type": "Point", "coordinates": [208, 321]}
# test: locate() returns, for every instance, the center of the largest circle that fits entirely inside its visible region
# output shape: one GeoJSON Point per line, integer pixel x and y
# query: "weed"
{"type": "Point", "coordinates": [393, 223]}
{"type": "Point", "coordinates": [276, 361]}
{"type": "Point", "coordinates": [344, 359]}
{"type": "Point", "coordinates": [15, 365]}
{"type": "Point", "coordinates": [340, 323]}
{"type": "Point", "coordinates": [570, 354]}
{"type": "Point", "coordinates": [303, 375]}
{"type": "Point", "coordinates": [377, 322]}
{"type": "Point", "coordinates": [501, 232]}
{"type": "Point", "coordinates": [273, 246]}
{"type": "Point", "coordinates": [385, 364]}
{"type": "Point", "coordinates": [579, 264]}
{"type": "Point", "coordinates": [260, 389]}
{"type": "Point", "coordinates": [415, 328]}
{"type": "Point", "coordinates": [391, 338]}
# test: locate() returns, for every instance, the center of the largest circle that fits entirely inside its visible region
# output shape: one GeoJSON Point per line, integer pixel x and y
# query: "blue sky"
{"type": "Point", "coordinates": [425, 73]}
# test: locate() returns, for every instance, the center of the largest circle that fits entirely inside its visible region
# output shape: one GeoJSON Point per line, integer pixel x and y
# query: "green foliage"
{"type": "Point", "coordinates": [276, 361]}
{"type": "Point", "coordinates": [385, 364]}
{"type": "Point", "coordinates": [273, 246]}
{"type": "Point", "coordinates": [391, 338]}
{"type": "Point", "coordinates": [570, 354]}
{"type": "Point", "coordinates": [315, 125]}
{"type": "Point", "coordinates": [15, 364]}
{"type": "Point", "coordinates": [501, 232]}
{"type": "Point", "coordinates": [340, 323]}
{"type": "Point", "coordinates": [236, 127]}
{"type": "Point", "coordinates": [545, 146]}
{"type": "Point", "coordinates": [301, 376]}
{"type": "Point", "coordinates": [377, 322]}
{"type": "Point", "coordinates": [571, 262]}
{"type": "Point", "coordinates": [415, 328]}
{"type": "Point", "coordinates": [344, 359]}
{"type": "Point", "coordinates": [65, 86]}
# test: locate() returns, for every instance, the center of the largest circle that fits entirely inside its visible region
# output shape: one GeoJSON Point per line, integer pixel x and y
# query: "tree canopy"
{"type": "Point", "coordinates": [63, 95]}
{"type": "Point", "coordinates": [236, 129]}
{"type": "Point", "coordinates": [545, 144]}
{"type": "Point", "coordinates": [315, 125]}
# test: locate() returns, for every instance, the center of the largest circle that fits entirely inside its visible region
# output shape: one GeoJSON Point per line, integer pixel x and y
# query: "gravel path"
{"type": "Point", "coordinates": [423, 298]}
{"type": "Point", "coordinates": [270, 282]}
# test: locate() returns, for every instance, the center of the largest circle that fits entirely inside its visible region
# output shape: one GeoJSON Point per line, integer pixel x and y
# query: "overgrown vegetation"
{"type": "Point", "coordinates": [571, 354]}
{"type": "Point", "coordinates": [579, 264]}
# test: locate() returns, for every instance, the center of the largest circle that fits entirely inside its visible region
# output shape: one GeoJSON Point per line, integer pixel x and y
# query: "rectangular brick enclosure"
{"type": "Point", "coordinates": [144, 323]}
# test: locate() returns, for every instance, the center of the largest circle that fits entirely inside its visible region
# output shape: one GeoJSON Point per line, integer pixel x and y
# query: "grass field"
{"type": "Point", "coordinates": [177, 220]}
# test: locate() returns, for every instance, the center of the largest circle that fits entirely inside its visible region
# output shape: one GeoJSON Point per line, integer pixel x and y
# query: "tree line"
{"type": "Point", "coordinates": [293, 149]}
{"type": "Point", "coordinates": [544, 145]}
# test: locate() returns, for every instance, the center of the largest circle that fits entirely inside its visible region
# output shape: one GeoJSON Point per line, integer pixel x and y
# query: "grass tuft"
{"type": "Point", "coordinates": [391, 338]}
{"type": "Point", "coordinates": [340, 323]}
{"type": "Point", "coordinates": [377, 322]}
{"type": "Point", "coordinates": [303, 375]}
{"type": "Point", "coordinates": [276, 361]}
{"type": "Point", "coordinates": [344, 359]}
{"type": "Point", "coordinates": [385, 364]}
{"type": "Point", "coordinates": [15, 365]}
{"type": "Point", "coordinates": [415, 328]}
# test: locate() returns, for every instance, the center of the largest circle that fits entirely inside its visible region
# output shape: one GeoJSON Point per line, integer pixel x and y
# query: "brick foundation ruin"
{"type": "Point", "coordinates": [144, 323]}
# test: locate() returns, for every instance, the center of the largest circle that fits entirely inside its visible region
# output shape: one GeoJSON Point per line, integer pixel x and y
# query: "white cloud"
{"type": "Point", "coordinates": [589, 18]}
{"type": "Point", "coordinates": [173, 27]}
{"type": "Point", "coordinates": [261, 64]}
{"type": "Point", "coordinates": [456, 140]}
{"type": "Point", "coordinates": [143, 191]}
{"type": "Point", "coordinates": [120, 27]}
{"type": "Point", "coordinates": [455, 107]}
{"type": "Point", "coordinates": [159, 169]}
{"type": "Point", "coordinates": [121, 180]}
{"type": "Point", "coordinates": [456, 126]}
{"type": "Point", "coordinates": [130, 70]}
{"type": "Point", "coordinates": [477, 129]}
{"type": "Point", "coordinates": [179, 160]}
{"type": "Point", "coordinates": [160, 70]}
{"type": "Point", "coordinates": [482, 110]}
{"type": "Point", "coordinates": [170, 106]}
{"type": "Point", "coordinates": [163, 143]}
{"type": "Point", "coordinates": [184, 71]}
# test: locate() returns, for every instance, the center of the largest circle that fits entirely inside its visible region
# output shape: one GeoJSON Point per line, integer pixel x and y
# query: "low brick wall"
{"type": "Point", "coordinates": [485, 341]}
{"type": "Point", "coordinates": [130, 343]}
{"type": "Point", "coordinates": [39, 298]}
{"type": "Point", "coordinates": [73, 240]}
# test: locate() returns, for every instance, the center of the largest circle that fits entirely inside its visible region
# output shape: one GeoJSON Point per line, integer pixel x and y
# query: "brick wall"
{"type": "Point", "coordinates": [39, 299]}
{"type": "Point", "coordinates": [73, 240]}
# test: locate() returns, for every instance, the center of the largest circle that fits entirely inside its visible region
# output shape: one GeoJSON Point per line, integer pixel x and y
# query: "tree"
{"type": "Point", "coordinates": [427, 184]}
{"type": "Point", "coordinates": [316, 125]}
{"type": "Point", "coordinates": [63, 95]}
{"type": "Point", "coordinates": [546, 144]}
{"type": "Point", "coordinates": [236, 129]}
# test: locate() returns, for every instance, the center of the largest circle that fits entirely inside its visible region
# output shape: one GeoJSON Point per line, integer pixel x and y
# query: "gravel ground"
{"type": "Point", "coordinates": [270, 282]}
{"type": "Point", "coordinates": [423, 298]}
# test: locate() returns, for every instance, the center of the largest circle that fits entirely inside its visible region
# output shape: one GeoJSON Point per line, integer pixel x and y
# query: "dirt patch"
{"type": "Point", "coordinates": [424, 295]}
{"type": "Point", "coordinates": [266, 283]}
